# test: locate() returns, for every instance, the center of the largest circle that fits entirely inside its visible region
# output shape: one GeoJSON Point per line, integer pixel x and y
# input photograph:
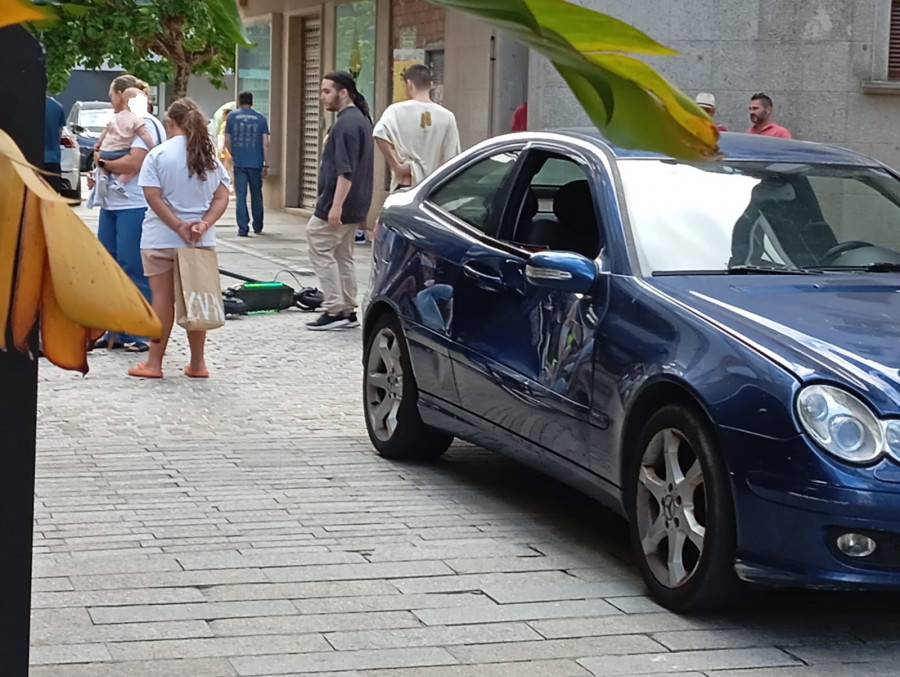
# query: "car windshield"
{"type": "Point", "coordinates": [761, 216]}
{"type": "Point", "coordinates": [94, 118]}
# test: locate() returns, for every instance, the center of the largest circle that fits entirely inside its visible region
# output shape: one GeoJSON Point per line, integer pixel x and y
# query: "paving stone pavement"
{"type": "Point", "coordinates": [243, 526]}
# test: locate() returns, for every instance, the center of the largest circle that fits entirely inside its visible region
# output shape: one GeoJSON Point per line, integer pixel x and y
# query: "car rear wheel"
{"type": "Point", "coordinates": [681, 512]}
{"type": "Point", "coordinates": [390, 397]}
{"type": "Point", "coordinates": [73, 193]}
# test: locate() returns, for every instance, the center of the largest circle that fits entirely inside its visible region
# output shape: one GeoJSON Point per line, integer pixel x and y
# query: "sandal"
{"type": "Point", "coordinates": [141, 370]}
{"type": "Point", "coordinates": [196, 373]}
{"type": "Point", "coordinates": [136, 347]}
{"type": "Point", "coordinates": [104, 342]}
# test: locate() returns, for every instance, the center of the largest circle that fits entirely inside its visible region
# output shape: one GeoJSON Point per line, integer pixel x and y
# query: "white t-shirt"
{"type": "Point", "coordinates": [189, 197]}
{"type": "Point", "coordinates": [134, 194]}
{"type": "Point", "coordinates": [158, 131]}
{"type": "Point", "coordinates": [424, 135]}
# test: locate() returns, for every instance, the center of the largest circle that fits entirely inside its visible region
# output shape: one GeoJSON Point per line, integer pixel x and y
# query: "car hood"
{"type": "Point", "coordinates": [843, 327]}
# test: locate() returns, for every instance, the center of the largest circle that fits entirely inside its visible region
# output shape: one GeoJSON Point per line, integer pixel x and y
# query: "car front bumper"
{"type": "Point", "coordinates": [792, 502]}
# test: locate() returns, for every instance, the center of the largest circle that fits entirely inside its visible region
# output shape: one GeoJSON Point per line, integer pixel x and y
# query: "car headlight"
{"type": "Point", "coordinates": [842, 425]}
{"type": "Point", "coordinates": [892, 437]}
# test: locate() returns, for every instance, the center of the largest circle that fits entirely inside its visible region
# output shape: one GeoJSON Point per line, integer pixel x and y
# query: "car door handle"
{"type": "Point", "coordinates": [484, 278]}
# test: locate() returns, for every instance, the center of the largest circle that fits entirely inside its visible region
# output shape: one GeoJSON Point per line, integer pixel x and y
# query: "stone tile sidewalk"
{"type": "Point", "coordinates": [244, 526]}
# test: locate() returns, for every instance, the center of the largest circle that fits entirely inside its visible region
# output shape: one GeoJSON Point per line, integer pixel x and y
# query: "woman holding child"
{"type": "Point", "coordinates": [122, 211]}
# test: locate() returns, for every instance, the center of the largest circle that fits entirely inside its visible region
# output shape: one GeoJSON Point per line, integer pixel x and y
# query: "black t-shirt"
{"type": "Point", "coordinates": [348, 152]}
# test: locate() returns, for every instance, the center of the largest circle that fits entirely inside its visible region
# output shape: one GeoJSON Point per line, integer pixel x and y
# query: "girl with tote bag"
{"type": "Point", "coordinates": [186, 188]}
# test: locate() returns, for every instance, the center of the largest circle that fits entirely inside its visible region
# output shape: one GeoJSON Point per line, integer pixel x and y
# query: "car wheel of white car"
{"type": "Point", "coordinates": [681, 513]}
{"type": "Point", "coordinates": [390, 396]}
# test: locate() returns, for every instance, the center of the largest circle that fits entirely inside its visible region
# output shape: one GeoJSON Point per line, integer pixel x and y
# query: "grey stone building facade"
{"type": "Point", "coordinates": [824, 62]}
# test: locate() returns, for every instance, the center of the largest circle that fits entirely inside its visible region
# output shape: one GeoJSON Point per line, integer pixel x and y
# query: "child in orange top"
{"type": "Point", "coordinates": [116, 139]}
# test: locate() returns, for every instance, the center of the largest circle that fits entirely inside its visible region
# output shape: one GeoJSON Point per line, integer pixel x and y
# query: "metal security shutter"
{"type": "Point", "coordinates": [894, 48]}
{"type": "Point", "coordinates": [312, 76]}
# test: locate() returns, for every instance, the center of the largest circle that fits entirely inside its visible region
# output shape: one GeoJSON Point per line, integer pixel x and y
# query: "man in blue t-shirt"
{"type": "Point", "coordinates": [54, 121]}
{"type": "Point", "coordinates": [247, 140]}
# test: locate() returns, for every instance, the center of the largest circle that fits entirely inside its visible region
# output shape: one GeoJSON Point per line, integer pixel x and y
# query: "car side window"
{"type": "Point", "coordinates": [557, 210]}
{"type": "Point", "coordinates": [857, 211]}
{"type": "Point", "coordinates": [479, 192]}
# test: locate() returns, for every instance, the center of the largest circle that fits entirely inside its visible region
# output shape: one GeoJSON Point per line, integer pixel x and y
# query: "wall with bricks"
{"type": "Point", "coordinates": [419, 18]}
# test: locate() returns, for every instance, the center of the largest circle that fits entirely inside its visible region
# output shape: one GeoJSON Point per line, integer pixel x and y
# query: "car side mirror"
{"type": "Point", "coordinates": [77, 129]}
{"type": "Point", "coordinates": [562, 271]}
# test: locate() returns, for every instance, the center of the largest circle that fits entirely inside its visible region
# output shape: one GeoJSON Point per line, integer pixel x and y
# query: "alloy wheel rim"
{"type": "Point", "coordinates": [384, 384]}
{"type": "Point", "coordinates": [671, 508]}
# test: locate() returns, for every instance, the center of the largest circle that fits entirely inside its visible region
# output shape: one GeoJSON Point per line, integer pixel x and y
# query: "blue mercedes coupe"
{"type": "Point", "coordinates": [709, 348]}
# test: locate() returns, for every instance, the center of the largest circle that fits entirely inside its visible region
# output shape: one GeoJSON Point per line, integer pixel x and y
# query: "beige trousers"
{"type": "Point", "coordinates": [331, 255]}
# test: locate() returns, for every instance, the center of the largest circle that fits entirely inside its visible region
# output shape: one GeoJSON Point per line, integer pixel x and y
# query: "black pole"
{"type": "Point", "coordinates": [236, 276]}
{"type": "Point", "coordinates": [23, 80]}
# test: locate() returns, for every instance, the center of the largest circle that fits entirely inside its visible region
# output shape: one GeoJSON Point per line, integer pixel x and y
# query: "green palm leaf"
{"type": "Point", "coordinates": [226, 16]}
{"type": "Point", "coordinates": [625, 98]}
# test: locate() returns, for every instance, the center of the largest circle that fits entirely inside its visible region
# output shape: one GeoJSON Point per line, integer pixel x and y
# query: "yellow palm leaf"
{"type": "Point", "coordinates": [10, 219]}
{"type": "Point", "coordinates": [90, 287]}
{"type": "Point", "coordinates": [17, 11]}
{"type": "Point", "coordinates": [51, 265]}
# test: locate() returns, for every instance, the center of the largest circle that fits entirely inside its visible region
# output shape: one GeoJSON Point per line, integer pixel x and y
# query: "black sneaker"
{"type": "Point", "coordinates": [352, 320]}
{"type": "Point", "coordinates": [327, 321]}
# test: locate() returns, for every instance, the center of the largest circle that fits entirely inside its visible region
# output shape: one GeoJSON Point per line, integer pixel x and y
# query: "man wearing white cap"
{"type": "Point", "coordinates": [707, 103]}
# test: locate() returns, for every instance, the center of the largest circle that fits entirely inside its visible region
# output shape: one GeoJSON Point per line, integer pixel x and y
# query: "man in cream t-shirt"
{"type": "Point", "coordinates": [416, 136]}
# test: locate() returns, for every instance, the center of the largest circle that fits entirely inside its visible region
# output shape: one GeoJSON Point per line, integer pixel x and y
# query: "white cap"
{"type": "Point", "coordinates": [706, 99]}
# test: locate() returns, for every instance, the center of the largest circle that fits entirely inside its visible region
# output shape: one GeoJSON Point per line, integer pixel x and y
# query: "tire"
{"type": "Point", "coordinates": [677, 491]}
{"type": "Point", "coordinates": [73, 194]}
{"type": "Point", "coordinates": [390, 398]}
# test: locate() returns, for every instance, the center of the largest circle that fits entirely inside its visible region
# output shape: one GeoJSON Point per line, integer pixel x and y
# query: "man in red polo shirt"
{"type": "Point", "coordinates": [760, 115]}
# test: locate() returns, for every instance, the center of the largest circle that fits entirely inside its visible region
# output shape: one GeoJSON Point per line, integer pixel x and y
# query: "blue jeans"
{"type": "Point", "coordinates": [119, 231]}
{"type": "Point", "coordinates": [252, 177]}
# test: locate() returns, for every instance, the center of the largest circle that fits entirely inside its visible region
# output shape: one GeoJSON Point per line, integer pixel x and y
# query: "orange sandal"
{"type": "Point", "coordinates": [141, 370]}
{"type": "Point", "coordinates": [196, 373]}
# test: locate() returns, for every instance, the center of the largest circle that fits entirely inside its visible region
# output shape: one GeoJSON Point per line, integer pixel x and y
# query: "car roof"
{"type": "Point", "coordinates": [93, 104]}
{"type": "Point", "coordinates": [736, 146]}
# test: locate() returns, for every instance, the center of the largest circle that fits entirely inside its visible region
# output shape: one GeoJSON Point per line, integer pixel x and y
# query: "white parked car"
{"type": "Point", "coordinates": [70, 163]}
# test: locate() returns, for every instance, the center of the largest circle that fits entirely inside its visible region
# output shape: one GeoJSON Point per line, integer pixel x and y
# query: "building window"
{"type": "Point", "coordinates": [354, 45]}
{"type": "Point", "coordinates": [254, 72]}
{"type": "Point", "coordinates": [894, 45]}
{"type": "Point", "coordinates": [434, 59]}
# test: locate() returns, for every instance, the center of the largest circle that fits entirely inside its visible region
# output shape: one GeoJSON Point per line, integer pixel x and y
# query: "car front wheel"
{"type": "Point", "coordinates": [681, 512]}
{"type": "Point", "coordinates": [390, 397]}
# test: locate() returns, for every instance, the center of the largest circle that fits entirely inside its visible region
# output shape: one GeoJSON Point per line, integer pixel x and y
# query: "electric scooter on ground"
{"type": "Point", "coordinates": [254, 296]}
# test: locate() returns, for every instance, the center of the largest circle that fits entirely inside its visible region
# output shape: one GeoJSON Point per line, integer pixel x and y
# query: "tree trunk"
{"type": "Point", "coordinates": [182, 73]}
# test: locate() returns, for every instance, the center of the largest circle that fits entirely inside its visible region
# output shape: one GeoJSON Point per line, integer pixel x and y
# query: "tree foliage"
{"type": "Point", "coordinates": [156, 40]}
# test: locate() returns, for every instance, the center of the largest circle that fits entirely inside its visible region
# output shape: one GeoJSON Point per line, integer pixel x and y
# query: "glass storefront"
{"type": "Point", "coordinates": [254, 72]}
{"type": "Point", "coordinates": [355, 44]}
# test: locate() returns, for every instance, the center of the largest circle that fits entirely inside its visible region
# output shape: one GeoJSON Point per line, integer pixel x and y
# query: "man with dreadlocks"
{"type": "Point", "coordinates": [345, 194]}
